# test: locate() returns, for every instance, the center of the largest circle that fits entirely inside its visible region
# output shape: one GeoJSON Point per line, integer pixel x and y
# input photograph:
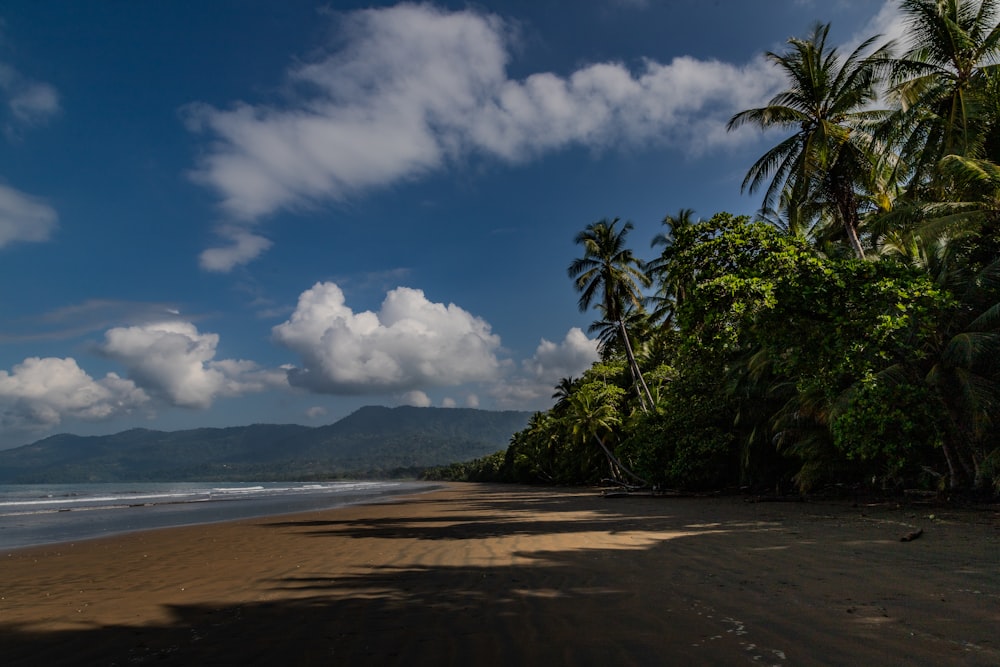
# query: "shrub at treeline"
{"type": "Point", "coordinates": [848, 334]}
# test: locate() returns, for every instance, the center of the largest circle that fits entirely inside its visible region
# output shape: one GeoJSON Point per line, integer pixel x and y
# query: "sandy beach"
{"type": "Point", "coordinates": [497, 575]}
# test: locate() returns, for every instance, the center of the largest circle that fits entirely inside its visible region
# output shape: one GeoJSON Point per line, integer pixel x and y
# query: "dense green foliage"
{"type": "Point", "coordinates": [846, 336]}
{"type": "Point", "coordinates": [371, 442]}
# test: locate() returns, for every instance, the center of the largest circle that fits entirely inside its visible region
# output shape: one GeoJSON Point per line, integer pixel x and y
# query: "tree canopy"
{"type": "Point", "coordinates": [846, 337]}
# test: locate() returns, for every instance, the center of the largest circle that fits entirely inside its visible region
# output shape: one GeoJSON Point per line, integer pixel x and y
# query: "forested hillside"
{"type": "Point", "coordinates": [373, 441]}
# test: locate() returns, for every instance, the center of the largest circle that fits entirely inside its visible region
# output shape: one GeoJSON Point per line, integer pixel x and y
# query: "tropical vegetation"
{"type": "Point", "coordinates": [847, 336]}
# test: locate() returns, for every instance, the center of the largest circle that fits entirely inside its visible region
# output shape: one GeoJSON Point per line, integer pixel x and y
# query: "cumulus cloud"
{"type": "Point", "coordinates": [410, 343]}
{"type": "Point", "coordinates": [176, 363]}
{"type": "Point", "coordinates": [407, 89]}
{"type": "Point", "coordinates": [553, 361]}
{"type": "Point", "coordinates": [316, 412]}
{"type": "Point", "coordinates": [41, 392]}
{"type": "Point", "coordinates": [24, 217]}
{"type": "Point", "coordinates": [417, 399]}
{"type": "Point", "coordinates": [533, 387]}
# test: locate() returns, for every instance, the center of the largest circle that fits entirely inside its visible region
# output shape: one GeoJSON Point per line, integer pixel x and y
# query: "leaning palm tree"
{"type": "Point", "coordinates": [637, 321]}
{"type": "Point", "coordinates": [594, 416]}
{"type": "Point", "coordinates": [943, 81]}
{"type": "Point", "coordinates": [611, 276]}
{"type": "Point", "coordinates": [828, 103]}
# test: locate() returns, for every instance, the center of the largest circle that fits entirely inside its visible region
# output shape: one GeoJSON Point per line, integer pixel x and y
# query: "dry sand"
{"type": "Point", "coordinates": [496, 575]}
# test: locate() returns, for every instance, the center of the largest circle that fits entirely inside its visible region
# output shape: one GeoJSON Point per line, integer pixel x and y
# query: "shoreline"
{"type": "Point", "coordinates": [501, 575]}
{"type": "Point", "coordinates": [95, 511]}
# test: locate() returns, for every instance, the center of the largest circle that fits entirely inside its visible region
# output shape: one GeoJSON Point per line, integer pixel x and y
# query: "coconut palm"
{"type": "Point", "coordinates": [611, 276]}
{"type": "Point", "coordinates": [563, 391]}
{"type": "Point", "coordinates": [672, 288]}
{"type": "Point", "coordinates": [594, 416]}
{"type": "Point", "coordinates": [943, 81]}
{"type": "Point", "coordinates": [828, 103]}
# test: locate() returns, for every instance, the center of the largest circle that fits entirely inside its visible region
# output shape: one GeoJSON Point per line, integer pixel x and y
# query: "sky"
{"type": "Point", "coordinates": [243, 211]}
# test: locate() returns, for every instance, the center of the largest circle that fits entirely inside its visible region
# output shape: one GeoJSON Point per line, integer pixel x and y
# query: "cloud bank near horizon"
{"type": "Point", "coordinates": [409, 347]}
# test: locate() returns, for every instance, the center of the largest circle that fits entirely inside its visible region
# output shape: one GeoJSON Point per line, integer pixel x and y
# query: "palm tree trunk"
{"type": "Point", "coordinates": [617, 465]}
{"type": "Point", "coordinates": [847, 206]}
{"type": "Point", "coordinates": [645, 397]}
{"type": "Point", "coordinates": [953, 482]}
{"type": "Point", "coordinates": [852, 238]}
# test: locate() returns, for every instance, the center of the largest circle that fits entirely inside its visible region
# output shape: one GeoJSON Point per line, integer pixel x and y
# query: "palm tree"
{"type": "Point", "coordinates": [611, 276]}
{"type": "Point", "coordinates": [563, 392]}
{"type": "Point", "coordinates": [943, 81]}
{"type": "Point", "coordinates": [593, 415]}
{"type": "Point", "coordinates": [672, 288]}
{"type": "Point", "coordinates": [828, 104]}
{"type": "Point", "coordinates": [609, 335]}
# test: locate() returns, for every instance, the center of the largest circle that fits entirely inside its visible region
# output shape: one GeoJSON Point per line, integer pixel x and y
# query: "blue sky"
{"type": "Point", "coordinates": [239, 211]}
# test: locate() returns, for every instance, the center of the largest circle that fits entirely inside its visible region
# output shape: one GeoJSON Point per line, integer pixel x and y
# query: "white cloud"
{"type": "Point", "coordinates": [533, 387]}
{"type": "Point", "coordinates": [316, 412]}
{"type": "Point", "coordinates": [41, 392]}
{"type": "Point", "coordinates": [24, 218]}
{"type": "Point", "coordinates": [243, 247]}
{"type": "Point", "coordinates": [554, 361]}
{"type": "Point", "coordinates": [34, 103]}
{"type": "Point", "coordinates": [416, 398]}
{"type": "Point", "coordinates": [28, 102]}
{"type": "Point", "coordinates": [176, 363]}
{"type": "Point", "coordinates": [410, 88]}
{"type": "Point", "coordinates": [410, 343]}
{"type": "Point", "coordinates": [888, 22]}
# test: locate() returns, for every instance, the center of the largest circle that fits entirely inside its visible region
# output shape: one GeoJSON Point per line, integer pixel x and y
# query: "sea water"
{"type": "Point", "coordinates": [36, 514]}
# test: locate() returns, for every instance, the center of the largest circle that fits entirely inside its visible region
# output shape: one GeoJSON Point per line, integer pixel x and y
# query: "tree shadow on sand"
{"type": "Point", "coordinates": [677, 594]}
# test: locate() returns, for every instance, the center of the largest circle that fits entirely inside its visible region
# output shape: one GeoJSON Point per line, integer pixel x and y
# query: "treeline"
{"type": "Point", "coordinates": [846, 335]}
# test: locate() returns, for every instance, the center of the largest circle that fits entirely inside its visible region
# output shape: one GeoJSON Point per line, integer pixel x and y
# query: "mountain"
{"type": "Point", "coordinates": [373, 441]}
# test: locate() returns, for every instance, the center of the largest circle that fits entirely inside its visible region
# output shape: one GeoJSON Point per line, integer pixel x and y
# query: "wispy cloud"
{"type": "Point", "coordinates": [410, 89]}
{"type": "Point", "coordinates": [25, 103]}
{"type": "Point", "coordinates": [28, 103]}
{"type": "Point", "coordinates": [24, 217]}
{"type": "Point", "coordinates": [241, 246]}
{"type": "Point", "coordinates": [80, 319]}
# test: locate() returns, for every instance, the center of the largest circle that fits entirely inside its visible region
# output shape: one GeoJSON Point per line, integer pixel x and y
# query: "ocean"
{"type": "Point", "coordinates": [38, 514]}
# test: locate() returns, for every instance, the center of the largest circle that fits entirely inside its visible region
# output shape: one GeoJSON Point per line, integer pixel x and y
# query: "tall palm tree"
{"type": "Point", "coordinates": [943, 81]}
{"type": "Point", "coordinates": [672, 287]}
{"type": "Point", "coordinates": [611, 276]}
{"type": "Point", "coordinates": [828, 103]}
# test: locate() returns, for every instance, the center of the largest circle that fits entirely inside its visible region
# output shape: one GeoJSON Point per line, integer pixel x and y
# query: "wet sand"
{"type": "Point", "coordinates": [498, 575]}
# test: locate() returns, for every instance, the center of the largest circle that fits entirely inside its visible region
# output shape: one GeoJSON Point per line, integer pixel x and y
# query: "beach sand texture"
{"type": "Point", "coordinates": [498, 575]}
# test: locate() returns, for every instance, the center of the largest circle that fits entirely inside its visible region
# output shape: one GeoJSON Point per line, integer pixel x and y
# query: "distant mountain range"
{"type": "Point", "coordinates": [372, 442]}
